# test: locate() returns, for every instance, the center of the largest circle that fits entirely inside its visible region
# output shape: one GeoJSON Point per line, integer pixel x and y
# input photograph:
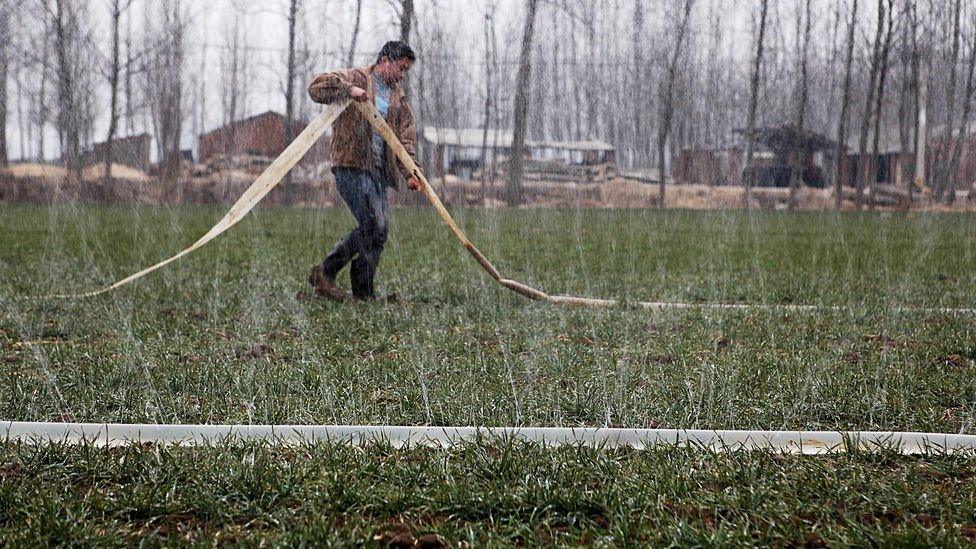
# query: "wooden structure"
{"type": "Point", "coordinates": [895, 166]}
{"type": "Point", "coordinates": [262, 135]}
{"type": "Point", "coordinates": [790, 146]}
{"type": "Point", "coordinates": [773, 158]}
{"type": "Point", "coordinates": [709, 166]}
{"type": "Point", "coordinates": [458, 151]}
{"type": "Point", "coordinates": [132, 151]}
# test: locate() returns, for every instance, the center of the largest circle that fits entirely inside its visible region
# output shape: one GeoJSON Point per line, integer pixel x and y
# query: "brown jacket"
{"type": "Point", "coordinates": [351, 133]}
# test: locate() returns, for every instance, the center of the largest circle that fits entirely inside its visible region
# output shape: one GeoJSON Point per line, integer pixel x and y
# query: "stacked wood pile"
{"type": "Point", "coordinates": [561, 172]}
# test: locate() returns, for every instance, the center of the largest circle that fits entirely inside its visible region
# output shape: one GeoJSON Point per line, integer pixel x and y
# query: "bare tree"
{"type": "Point", "coordinates": [351, 58]}
{"type": "Point", "coordinates": [42, 113]}
{"type": "Point", "coordinates": [5, 44]}
{"type": "Point", "coordinates": [801, 108]}
{"type": "Point", "coordinates": [130, 71]}
{"type": "Point", "coordinates": [915, 114]}
{"type": "Point", "coordinates": [166, 28]}
{"type": "Point", "coordinates": [953, 175]}
{"type": "Point", "coordinates": [921, 129]}
{"type": "Point", "coordinates": [941, 156]}
{"type": "Point", "coordinates": [908, 52]}
{"type": "Point", "coordinates": [290, 89]}
{"type": "Point", "coordinates": [490, 60]}
{"type": "Point", "coordinates": [841, 156]}
{"type": "Point", "coordinates": [406, 21]}
{"type": "Point", "coordinates": [236, 74]}
{"type": "Point", "coordinates": [118, 7]}
{"type": "Point", "coordinates": [638, 102]}
{"type": "Point", "coordinates": [577, 122]}
{"type": "Point", "coordinates": [520, 112]}
{"type": "Point", "coordinates": [863, 164]}
{"type": "Point", "coordinates": [73, 59]}
{"type": "Point", "coordinates": [879, 98]}
{"type": "Point", "coordinates": [753, 101]}
{"type": "Point", "coordinates": [667, 95]}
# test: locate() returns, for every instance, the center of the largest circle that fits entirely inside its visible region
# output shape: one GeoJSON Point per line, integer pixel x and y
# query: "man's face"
{"type": "Point", "coordinates": [393, 71]}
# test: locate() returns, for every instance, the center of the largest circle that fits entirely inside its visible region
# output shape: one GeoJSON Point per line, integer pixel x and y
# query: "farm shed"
{"type": "Point", "coordinates": [785, 143]}
{"type": "Point", "coordinates": [132, 151]}
{"type": "Point", "coordinates": [894, 166]}
{"type": "Point", "coordinates": [259, 135]}
{"type": "Point", "coordinates": [940, 148]}
{"type": "Point", "coordinates": [457, 151]}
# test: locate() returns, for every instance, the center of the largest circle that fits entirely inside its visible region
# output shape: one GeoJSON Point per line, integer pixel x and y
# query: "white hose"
{"type": "Point", "coordinates": [793, 442]}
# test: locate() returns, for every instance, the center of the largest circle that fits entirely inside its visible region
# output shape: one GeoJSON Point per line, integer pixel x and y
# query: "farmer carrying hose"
{"type": "Point", "coordinates": [364, 166]}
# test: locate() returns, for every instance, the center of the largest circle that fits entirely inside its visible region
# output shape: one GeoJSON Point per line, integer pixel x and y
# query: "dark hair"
{"type": "Point", "coordinates": [394, 50]}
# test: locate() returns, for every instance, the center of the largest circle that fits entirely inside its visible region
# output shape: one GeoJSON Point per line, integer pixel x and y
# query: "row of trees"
{"type": "Point", "coordinates": [874, 75]}
{"type": "Point", "coordinates": [652, 77]}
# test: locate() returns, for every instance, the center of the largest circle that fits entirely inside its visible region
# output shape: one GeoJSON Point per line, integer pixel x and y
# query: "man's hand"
{"type": "Point", "coordinates": [358, 94]}
{"type": "Point", "coordinates": [413, 184]}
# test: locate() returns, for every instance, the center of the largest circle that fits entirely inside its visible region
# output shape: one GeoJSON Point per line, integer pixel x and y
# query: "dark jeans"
{"type": "Point", "coordinates": [365, 194]}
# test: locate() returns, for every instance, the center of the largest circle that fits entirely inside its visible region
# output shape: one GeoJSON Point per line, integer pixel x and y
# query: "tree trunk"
{"type": "Point", "coordinates": [941, 153]}
{"type": "Point", "coordinates": [113, 82]}
{"type": "Point", "coordinates": [406, 24]}
{"type": "Point", "coordinates": [290, 93]}
{"type": "Point", "coordinates": [667, 99]}
{"type": "Point", "coordinates": [801, 110]}
{"type": "Point", "coordinates": [844, 105]}
{"type": "Point", "coordinates": [406, 21]}
{"type": "Point", "coordinates": [906, 113]}
{"type": "Point", "coordinates": [863, 163]}
{"type": "Point", "coordinates": [753, 100]}
{"type": "Point", "coordinates": [953, 174]}
{"type": "Point", "coordinates": [42, 112]}
{"type": "Point", "coordinates": [577, 93]}
{"type": "Point", "coordinates": [556, 76]}
{"type": "Point", "coordinates": [129, 110]}
{"type": "Point", "coordinates": [489, 47]}
{"type": "Point", "coordinates": [879, 99]}
{"type": "Point", "coordinates": [166, 90]}
{"type": "Point", "coordinates": [514, 191]}
{"type": "Point", "coordinates": [351, 58]}
{"type": "Point", "coordinates": [911, 134]}
{"type": "Point", "coordinates": [4, 68]}
{"type": "Point", "coordinates": [921, 130]}
{"type": "Point", "coordinates": [68, 115]}
{"type": "Point", "coordinates": [638, 100]}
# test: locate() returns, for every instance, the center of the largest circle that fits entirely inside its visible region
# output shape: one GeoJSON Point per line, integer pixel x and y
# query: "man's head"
{"type": "Point", "coordinates": [393, 61]}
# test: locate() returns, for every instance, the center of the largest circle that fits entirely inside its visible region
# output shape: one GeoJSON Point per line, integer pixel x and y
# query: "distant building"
{"type": "Point", "coordinates": [894, 165]}
{"type": "Point", "coordinates": [457, 151]}
{"type": "Point", "coordinates": [939, 152]}
{"type": "Point", "coordinates": [132, 151]}
{"type": "Point", "coordinates": [706, 166]}
{"type": "Point", "coordinates": [260, 135]}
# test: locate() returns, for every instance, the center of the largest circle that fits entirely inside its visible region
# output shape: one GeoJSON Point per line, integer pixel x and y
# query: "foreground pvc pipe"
{"type": "Point", "coordinates": [794, 442]}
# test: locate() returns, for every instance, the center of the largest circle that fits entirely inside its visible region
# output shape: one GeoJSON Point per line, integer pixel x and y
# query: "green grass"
{"type": "Point", "coordinates": [225, 336]}
{"type": "Point", "coordinates": [481, 495]}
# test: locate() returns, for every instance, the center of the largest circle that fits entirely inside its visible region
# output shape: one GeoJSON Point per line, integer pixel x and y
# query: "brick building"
{"type": "Point", "coordinates": [259, 135]}
{"type": "Point", "coordinates": [130, 151]}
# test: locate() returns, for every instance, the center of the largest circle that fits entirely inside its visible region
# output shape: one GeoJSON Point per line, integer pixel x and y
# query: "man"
{"type": "Point", "coordinates": [363, 165]}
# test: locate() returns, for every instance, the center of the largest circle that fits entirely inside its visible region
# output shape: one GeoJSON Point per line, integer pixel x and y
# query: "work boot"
{"type": "Point", "coordinates": [324, 285]}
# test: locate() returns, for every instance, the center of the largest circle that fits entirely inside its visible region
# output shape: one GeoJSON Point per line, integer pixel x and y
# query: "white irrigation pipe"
{"type": "Point", "coordinates": [793, 442]}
